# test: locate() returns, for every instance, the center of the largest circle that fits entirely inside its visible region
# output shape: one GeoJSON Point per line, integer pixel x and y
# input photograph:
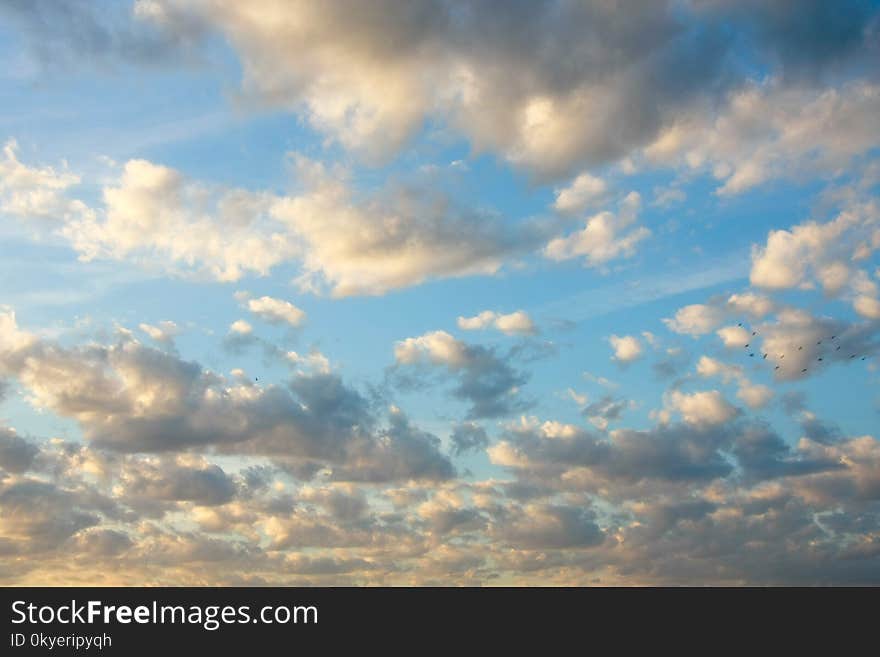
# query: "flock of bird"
{"type": "Point", "coordinates": [833, 341]}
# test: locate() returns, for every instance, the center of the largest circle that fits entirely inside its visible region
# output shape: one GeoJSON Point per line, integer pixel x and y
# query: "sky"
{"type": "Point", "coordinates": [570, 292]}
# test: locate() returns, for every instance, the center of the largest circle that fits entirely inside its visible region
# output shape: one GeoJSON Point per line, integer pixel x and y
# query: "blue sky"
{"type": "Point", "coordinates": [288, 283]}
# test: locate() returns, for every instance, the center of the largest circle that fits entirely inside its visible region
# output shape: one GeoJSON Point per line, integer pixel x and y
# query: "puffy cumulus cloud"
{"type": "Point", "coordinates": [515, 323]}
{"type": "Point", "coordinates": [314, 361]}
{"type": "Point", "coordinates": [605, 237]}
{"type": "Point", "coordinates": [751, 304]}
{"type": "Point", "coordinates": [38, 516]}
{"type": "Point", "coordinates": [752, 394]}
{"type": "Point", "coordinates": [696, 319]}
{"type": "Point", "coordinates": [525, 85]}
{"type": "Point", "coordinates": [578, 460]}
{"type": "Point", "coordinates": [344, 243]}
{"type": "Point", "coordinates": [36, 192]}
{"type": "Point", "coordinates": [703, 408]}
{"type": "Point", "coordinates": [584, 191]}
{"type": "Point", "coordinates": [790, 256]}
{"type": "Point", "coordinates": [553, 527]}
{"type": "Point", "coordinates": [699, 319]}
{"type": "Point", "coordinates": [825, 253]}
{"type": "Point", "coordinates": [165, 331]}
{"type": "Point", "coordinates": [356, 246]}
{"type": "Point", "coordinates": [484, 379]}
{"type": "Point", "coordinates": [734, 336]}
{"type": "Point", "coordinates": [802, 344]}
{"type": "Point", "coordinates": [158, 216]}
{"type": "Point", "coordinates": [175, 479]}
{"type": "Point", "coordinates": [627, 348]}
{"type": "Point", "coordinates": [240, 327]}
{"type": "Point", "coordinates": [130, 398]}
{"type": "Point", "coordinates": [437, 347]}
{"type": "Point", "coordinates": [275, 311]}
{"type": "Point", "coordinates": [803, 131]}
{"type": "Point", "coordinates": [628, 507]}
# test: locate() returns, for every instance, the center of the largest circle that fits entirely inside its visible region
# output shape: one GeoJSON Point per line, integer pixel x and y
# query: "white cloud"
{"type": "Point", "coordinates": [344, 243]}
{"type": "Point", "coordinates": [627, 348]}
{"type": "Point", "coordinates": [156, 215]}
{"type": "Point", "coordinates": [436, 347]}
{"type": "Point", "coordinates": [584, 191]}
{"type": "Point", "coordinates": [696, 319]}
{"type": "Point", "coordinates": [823, 252]}
{"type": "Point", "coordinates": [276, 311]}
{"type": "Point", "coordinates": [241, 327]}
{"type": "Point", "coordinates": [734, 336]}
{"type": "Point", "coordinates": [605, 236]}
{"type": "Point", "coordinates": [36, 192]}
{"type": "Point", "coordinates": [314, 361]}
{"type": "Point", "coordinates": [706, 407]}
{"type": "Point", "coordinates": [166, 331]}
{"type": "Point", "coordinates": [515, 323]}
{"type": "Point", "coordinates": [363, 246]}
{"type": "Point", "coordinates": [801, 131]}
{"type": "Point", "coordinates": [753, 395]}
{"type": "Point", "coordinates": [750, 303]}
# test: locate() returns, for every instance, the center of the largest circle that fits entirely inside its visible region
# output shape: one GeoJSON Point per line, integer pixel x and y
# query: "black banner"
{"type": "Point", "coordinates": [128, 621]}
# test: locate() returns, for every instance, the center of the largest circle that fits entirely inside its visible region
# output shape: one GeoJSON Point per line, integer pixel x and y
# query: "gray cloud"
{"type": "Point", "coordinates": [16, 454]}
{"type": "Point", "coordinates": [132, 398]}
{"type": "Point", "coordinates": [467, 437]}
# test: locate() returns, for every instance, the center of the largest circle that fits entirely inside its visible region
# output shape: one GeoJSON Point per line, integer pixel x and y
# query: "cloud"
{"type": "Point", "coordinates": [584, 191]}
{"type": "Point", "coordinates": [181, 479]}
{"type": "Point", "coordinates": [240, 327]}
{"type": "Point", "coordinates": [515, 323]}
{"type": "Point", "coordinates": [824, 253]}
{"type": "Point", "coordinates": [553, 527]}
{"type": "Point", "coordinates": [704, 408]}
{"type": "Point", "coordinates": [803, 132]}
{"type": "Point", "coordinates": [485, 380]}
{"type": "Point", "coordinates": [734, 336]}
{"type": "Point", "coordinates": [574, 458]}
{"type": "Point", "coordinates": [604, 411]}
{"type": "Point", "coordinates": [157, 216]}
{"type": "Point", "coordinates": [696, 319]}
{"type": "Point", "coordinates": [467, 437]}
{"type": "Point", "coordinates": [699, 319]}
{"type": "Point", "coordinates": [753, 395]}
{"type": "Point", "coordinates": [130, 398]}
{"type": "Point", "coordinates": [627, 348]}
{"type": "Point", "coordinates": [16, 454]}
{"type": "Point", "coordinates": [62, 34]}
{"type": "Point", "coordinates": [603, 238]}
{"type": "Point", "coordinates": [313, 361]}
{"type": "Point", "coordinates": [343, 243]}
{"type": "Point", "coordinates": [796, 340]}
{"type": "Point", "coordinates": [276, 311]}
{"type": "Point", "coordinates": [525, 85]}
{"type": "Point", "coordinates": [368, 246]}
{"type": "Point", "coordinates": [36, 192]}
{"type": "Point", "coordinates": [165, 332]}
